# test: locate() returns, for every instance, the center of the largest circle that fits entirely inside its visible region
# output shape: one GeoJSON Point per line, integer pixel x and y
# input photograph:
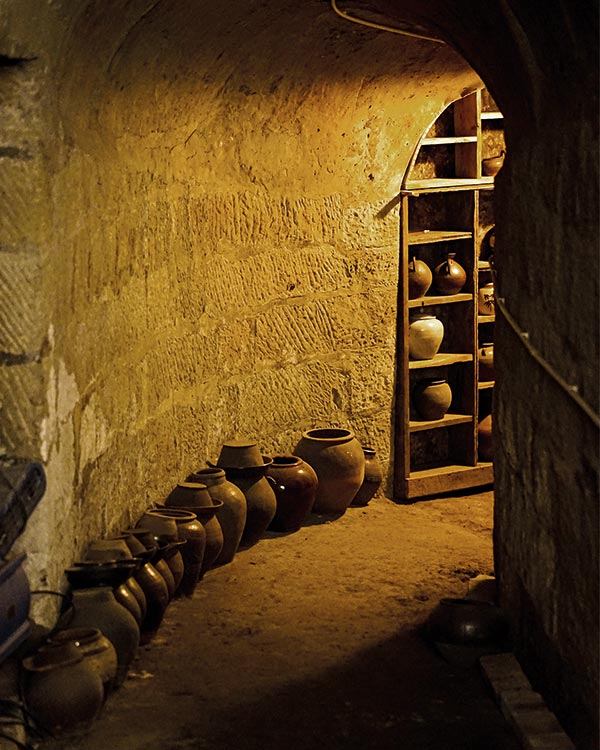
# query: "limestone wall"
{"type": "Point", "coordinates": [218, 242]}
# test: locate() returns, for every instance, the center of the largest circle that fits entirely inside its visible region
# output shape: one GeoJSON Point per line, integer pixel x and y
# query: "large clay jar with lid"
{"type": "Point", "coordinates": [98, 608]}
{"type": "Point", "coordinates": [419, 278]}
{"type": "Point", "coordinates": [62, 691]}
{"type": "Point", "coordinates": [432, 398]}
{"type": "Point", "coordinates": [232, 516]}
{"type": "Point", "coordinates": [372, 481]}
{"type": "Point", "coordinates": [295, 486]}
{"type": "Point", "coordinates": [191, 531]}
{"type": "Point", "coordinates": [449, 277]}
{"type": "Point", "coordinates": [425, 334]}
{"type": "Point", "coordinates": [339, 463]}
{"type": "Point", "coordinates": [95, 647]}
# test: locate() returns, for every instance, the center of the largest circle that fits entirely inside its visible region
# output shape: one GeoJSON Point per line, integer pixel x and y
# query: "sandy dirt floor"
{"type": "Point", "coordinates": [313, 640]}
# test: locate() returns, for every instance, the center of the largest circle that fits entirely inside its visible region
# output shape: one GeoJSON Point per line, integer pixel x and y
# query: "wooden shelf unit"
{"type": "Point", "coordinates": [439, 456]}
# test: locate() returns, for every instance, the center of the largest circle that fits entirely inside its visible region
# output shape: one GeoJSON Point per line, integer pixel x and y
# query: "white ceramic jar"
{"type": "Point", "coordinates": [425, 334]}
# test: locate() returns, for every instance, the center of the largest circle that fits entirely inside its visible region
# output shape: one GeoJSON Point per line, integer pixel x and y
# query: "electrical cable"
{"type": "Point", "coordinates": [381, 27]}
{"type": "Point", "coordinates": [571, 390]}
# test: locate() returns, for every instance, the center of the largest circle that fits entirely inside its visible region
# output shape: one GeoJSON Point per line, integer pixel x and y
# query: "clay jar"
{"type": "Point", "coordinates": [486, 299]}
{"type": "Point", "coordinates": [467, 622]}
{"type": "Point", "coordinates": [339, 463]}
{"type": "Point", "coordinates": [207, 515]}
{"type": "Point", "coordinates": [432, 398]}
{"type": "Point", "coordinates": [425, 334]}
{"type": "Point", "coordinates": [493, 164]}
{"type": "Point", "coordinates": [191, 531]}
{"type": "Point", "coordinates": [371, 482]}
{"type": "Point", "coordinates": [485, 357]}
{"type": "Point", "coordinates": [98, 608]}
{"type": "Point", "coordinates": [241, 454]}
{"type": "Point", "coordinates": [63, 692]}
{"type": "Point", "coordinates": [485, 444]}
{"type": "Point", "coordinates": [95, 647]}
{"type": "Point", "coordinates": [295, 487]}
{"type": "Point", "coordinates": [232, 516]}
{"type": "Point", "coordinates": [419, 278]}
{"type": "Point", "coordinates": [261, 504]}
{"type": "Point", "coordinates": [189, 494]}
{"type": "Point", "coordinates": [449, 277]}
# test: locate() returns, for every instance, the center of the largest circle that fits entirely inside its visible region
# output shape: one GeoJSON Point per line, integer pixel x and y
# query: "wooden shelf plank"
{"type": "Point", "coordinates": [448, 420]}
{"type": "Point", "coordinates": [486, 318]}
{"type": "Point", "coordinates": [439, 299]}
{"type": "Point", "coordinates": [483, 265]}
{"type": "Point", "coordinates": [448, 140]}
{"type": "Point", "coordinates": [429, 236]}
{"type": "Point", "coordinates": [448, 479]}
{"type": "Point", "coordinates": [439, 361]}
{"type": "Point", "coordinates": [496, 115]}
{"type": "Point", "coordinates": [483, 384]}
{"type": "Point", "coordinates": [414, 187]}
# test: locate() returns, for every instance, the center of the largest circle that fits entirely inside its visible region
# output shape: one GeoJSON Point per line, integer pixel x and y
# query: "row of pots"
{"type": "Point", "coordinates": [121, 588]}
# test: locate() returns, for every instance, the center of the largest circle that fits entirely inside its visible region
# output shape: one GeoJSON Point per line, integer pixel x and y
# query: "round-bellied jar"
{"type": "Point", "coordinates": [425, 334]}
{"type": "Point", "coordinates": [372, 481]}
{"type": "Point", "coordinates": [295, 486]}
{"type": "Point", "coordinates": [432, 398]}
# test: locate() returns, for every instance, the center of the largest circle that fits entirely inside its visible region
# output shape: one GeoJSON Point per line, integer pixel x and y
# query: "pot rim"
{"type": "Point", "coordinates": [329, 434]}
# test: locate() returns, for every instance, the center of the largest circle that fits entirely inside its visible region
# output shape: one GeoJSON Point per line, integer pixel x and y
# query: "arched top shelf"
{"type": "Point", "coordinates": [459, 128]}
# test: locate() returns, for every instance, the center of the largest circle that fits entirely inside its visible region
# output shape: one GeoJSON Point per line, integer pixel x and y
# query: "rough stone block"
{"type": "Point", "coordinates": [20, 325]}
{"type": "Point", "coordinates": [548, 741]}
{"type": "Point", "coordinates": [503, 672]}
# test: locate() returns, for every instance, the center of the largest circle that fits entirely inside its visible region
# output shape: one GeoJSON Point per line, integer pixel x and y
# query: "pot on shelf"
{"type": "Point", "coordinates": [486, 299]}
{"type": "Point", "coordinates": [485, 445]}
{"type": "Point", "coordinates": [493, 164]}
{"type": "Point", "coordinates": [339, 463]}
{"type": "Point", "coordinates": [449, 277]}
{"type": "Point", "coordinates": [485, 358]}
{"type": "Point", "coordinates": [425, 334]}
{"type": "Point", "coordinates": [419, 278]}
{"type": "Point", "coordinates": [432, 398]}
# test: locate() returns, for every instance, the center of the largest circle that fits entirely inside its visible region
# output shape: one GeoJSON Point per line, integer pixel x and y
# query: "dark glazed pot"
{"type": "Point", "coordinates": [419, 278]}
{"type": "Point", "coordinates": [467, 622]}
{"type": "Point", "coordinates": [191, 531]}
{"type": "Point", "coordinates": [98, 608]}
{"type": "Point", "coordinates": [339, 463]}
{"type": "Point", "coordinates": [432, 398]}
{"type": "Point", "coordinates": [95, 647]}
{"type": "Point", "coordinates": [295, 486]}
{"type": "Point", "coordinates": [232, 516]}
{"type": "Point", "coordinates": [485, 358]}
{"type": "Point", "coordinates": [156, 592]}
{"type": "Point", "coordinates": [212, 529]}
{"type": "Point", "coordinates": [63, 692]}
{"type": "Point", "coordinates": [449, 277]}
{"type": "Point", "coordinates": [371, 482]}
{"type": "Point", "coordinates": [189, 494]}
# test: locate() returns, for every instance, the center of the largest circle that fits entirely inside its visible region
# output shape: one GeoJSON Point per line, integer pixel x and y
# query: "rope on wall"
{"type": "Point", "coordinates": [571, 390]}
{"type": "Point", "coordinates": [381, 27]}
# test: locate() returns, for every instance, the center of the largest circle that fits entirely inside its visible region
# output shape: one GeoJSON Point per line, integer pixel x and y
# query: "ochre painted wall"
{"type": "Point", "coordinates": [217, 241]}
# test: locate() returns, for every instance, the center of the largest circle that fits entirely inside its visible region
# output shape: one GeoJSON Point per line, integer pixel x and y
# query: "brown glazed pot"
{"type": "Point", "coordinates": [485, 445]}
{"type": "Point", "coordinates": [432, 398]}
{"type": "Point", "coordinates": [449, 277]}
{"type": "Point", "coordinates": [189, 494]}
{"type": "Point", "coordinates": [95, 647]}
{"type": "Point", "coordinates": [467, 622]}
{"type": "Point", "coordinates": [214, 534]}
{"type": "Point", "coordinates": [62, 691]}
{"type": "Point", "coordinates": [261, 504]}
{"type": "Point", "coordinates": [339, 463]}
{"type": "Point", "coordinates": [191, 531]}
{"type": "Point", "coordinates": [419, 278]}
{"type": "Point", "coordinates": [125, 597]}
{"type": "Point", "coordinates": [371, 482]}
{"type": "Point", "coordinates": [232, 516]}
{"type": "Point", "coordinates": [485, 357]}
{"type": "Point", "coordinates": [156, 592]}
{"type": "Point", "coordinates": [295, 490]}
{"type": "Point", "coordinates": [493, 164]}
{"type": "Point", "coordinates": [98, 608]}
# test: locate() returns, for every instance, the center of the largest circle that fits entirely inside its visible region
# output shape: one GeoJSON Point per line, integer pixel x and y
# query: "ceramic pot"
{"type": "Point", "coordinates": [485, 444]}
{"type": "Point", "coordinates": [163, 528]}
{"type": "Point", "coordinates": [339, 463]}
{"type": "Point", "coordinates": [485, 299]}
{"type": "Point", "coordinates": [419, 278]}
{"type": "Point", "coordinates": [189, 494]}
{"type": "Point", "coordinates": [425, 334]}
{"type": "Point", "coordinates": [214, 534]}
{"type": "Point", "coordinates": [15, 600]}
{"type": "Point", "coordinates": [239, 454]}
{"type": "Point", "coordinates": [166, 573]}
{"type": "Point", "coordinates": [84, 574]}
{"type": "Point", "coordinates": [125, 597]}
{"type": "Point", "coordinates": [432, 398]}
{"type": "Point", "coordinates": [138, 593]}
{"type": "Point", "coordinates": [467, 622]}
{"type": "Point", "coordinates": [156, 592]}
{"type": "Point", "coordinates": [141, 542]}
{"type": "Point", "coordinates": [449, 277]}
{"type": "Point", "coordinates": [62, 691]}
{"type": "Point", "coordinates": [191, 531]}
{"type": "Point", "coordinates": [485, 357]}
{"type": "Point", "coordinates": [98, 608]}
{"type": "Point", "coordinates": [493, 164]}
{"type": "Point", "coordinates": [95, 647]}
{"type": "Point", "coordinates": [295, 487]}
{"type": "Point", "coordinates": [232, 516]}
{"type": "Point", "coordinates": [371, 482]}
{"type": "Point", "coordinates": [107, 550]}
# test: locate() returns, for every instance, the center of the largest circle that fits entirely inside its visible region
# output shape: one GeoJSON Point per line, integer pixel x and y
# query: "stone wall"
{"type": "Point", "coordinates": [217, 246]}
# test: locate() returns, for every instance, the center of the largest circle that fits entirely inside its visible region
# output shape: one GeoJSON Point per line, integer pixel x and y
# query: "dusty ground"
{"type": "Point", "coordinates": [310, 640]}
